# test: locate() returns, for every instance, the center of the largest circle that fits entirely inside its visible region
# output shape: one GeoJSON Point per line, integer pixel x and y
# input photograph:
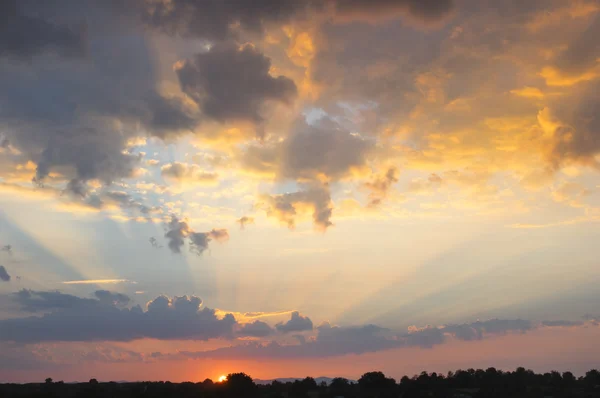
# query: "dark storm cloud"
{"type": "Point", "coordinates": [178, 231]}
{"type": "Point", "coordinates": [75, 319]}
{"type": "Point", "coordinates": [297, 323]}
{"type": "Point", "coordinates": [255, 329]}
{"type": "Point", "coordinates": [23, 34]}
{"type": "Point", "coordinates": [4, 276]}
{"type": "Point", "coordinates": [233, 84]}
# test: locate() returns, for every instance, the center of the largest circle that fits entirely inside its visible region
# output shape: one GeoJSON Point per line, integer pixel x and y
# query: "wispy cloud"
{"type": "Point", "coordinates": [247, 316]}
{"type": "Point", "coordinates": [99, 282]}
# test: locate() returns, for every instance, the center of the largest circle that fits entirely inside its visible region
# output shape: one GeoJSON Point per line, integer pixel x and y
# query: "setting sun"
{"type": "Point", "coordinates": [222, 379]}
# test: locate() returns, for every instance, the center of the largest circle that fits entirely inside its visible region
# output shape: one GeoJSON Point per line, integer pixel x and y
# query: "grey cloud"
{"type": "Point", "coordinates": [245, 220]}
{"type": "Point", "coordinates": [110, 298]}
{"type": "Point", "coordinates": [577, 137]}
{"type": "Point", "coordinates": [425, 10]}
{"type": "Point", "coordinates": [380, 185]}
{"type": "Point", "coordinates": [562, 323]}
{"type": "Point", "coordinates": [34, 301]}
{"type": "Point", "coordinates": [426, 338]}
{"type": "Point", "coordinates": [583, 52]}
{"type": "Point", "coordinates": [4, 276]}
{"type": "Point", "coordinates": [297, 323]}
{"type": "Point", "coordinates": [182, 172]}
{"type": "Point", "coordinates": [233, 84]}
{"type": "Point", "coordinates": [284, 207]}
{"type": "Point", "coordinates": [329, 341]}
{"type": "Point", "coordinates": [255, 329]}
{"type": "Point", "coordinates": [217, 20]}
{"type": "Point", "coordinates": [178, 231]}
{"type": "Point", "coordinates": [6, 248]}
{"type": "Point", "coordinates": [226, 19]}
{"type": "Point", "coordinates": [323, 148]}
{"type": "Point", "coordinates": [23, 34]}
{"type": "Point", "coordinates": [310, 152]}
{"type": "Point", "coordinates": [199, 240]}
{"type": "Point", "coordinates": [154, 242]}
{"type": "Point", "coordinates": [100, 319]}
{"type": "Point", "coordinates": [477, 330]}
{"type": "Point", "coordinates": [85, 110]}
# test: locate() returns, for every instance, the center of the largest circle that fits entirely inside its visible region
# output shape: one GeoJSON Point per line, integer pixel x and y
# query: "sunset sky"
{"type": "Point", "coordinates": [290, 188]}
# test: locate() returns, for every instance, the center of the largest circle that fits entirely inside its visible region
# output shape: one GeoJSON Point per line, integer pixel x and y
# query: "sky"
{"type": "Point", "coordinates": [290, 188]}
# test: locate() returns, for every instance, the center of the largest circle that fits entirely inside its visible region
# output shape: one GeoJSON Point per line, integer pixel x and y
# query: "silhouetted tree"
{"type": "Point", "coordinates": [240, 385]}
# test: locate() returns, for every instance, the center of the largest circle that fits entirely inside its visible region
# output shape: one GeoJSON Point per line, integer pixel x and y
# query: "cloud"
{"type": "Point", "coordinates": [329, 341]}
{"type": "Point", "coordinates": [70, 318]}
{"type": "Point", "coordinates": [286, 207]}
{"type": "Point", "coordinates": [582, 53]}
{"type": "Point", "coordinates": [573, 126]}
{"type": "Point", "coordinates": [562, 323]}
{"type": "Point", "coordinates": [245, 220]}
{"type": "Point", "coordinates": [178, 231]}
{"type": "Point", "coordinates": [84, 112]}
{"type": "Point", "coordinates": [233, 84]}
{"type": "Point", "coordinates": [322, 151]}
{"type": "Point", "coordinates": [98, 282]}
{"type": "Point", "coordinates": [34, 301]}
{"type": "Point", "coordinates": [226, 20]}
{"type": "Point", "coordinates": [199, 240]}
{"type": "Point", "coordinates": [477, 330]}
{"type": "Point", "coordinates": [426, 11]}
{"type": "Point", "coordinates": [154, 242]}
{"type": "Point", "coordinates": [110, 298]}
{"type": "Point", "coordinates": [23, 34]}
{"type": "Point", "coordinates": [183, 173]}
{"type": "Point", "coordinates": [4, 276]}
{"type": "Point", "coordinates": [380, 186]}
{"type": "Point", "coordinates": [6, 248]}
{"type": "Point", "coordinates": [333, 341]}
{"type": "Point", "coordinates": [217, 21]}
{"type": "Point", "coordinates": [570, 193]}
{"type": "Point", "coordinates": [297, 323]}
{"type": "Point", "coordinates": [255, 329]}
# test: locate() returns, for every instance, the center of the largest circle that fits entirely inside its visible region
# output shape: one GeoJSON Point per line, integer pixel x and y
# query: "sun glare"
{"type": "Point", "coordinates": [222, 379]}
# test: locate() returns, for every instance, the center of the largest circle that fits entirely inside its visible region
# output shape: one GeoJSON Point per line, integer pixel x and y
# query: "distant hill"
{"type": "Point", "coordinates": [319, 380]}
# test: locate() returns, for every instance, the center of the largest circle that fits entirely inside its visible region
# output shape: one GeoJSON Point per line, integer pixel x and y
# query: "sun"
{"type": "Point", "coordinates": [222, 379]}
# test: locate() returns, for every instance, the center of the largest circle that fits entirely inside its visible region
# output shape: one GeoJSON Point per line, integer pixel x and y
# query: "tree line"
{"type": "Point", "coordinates": [460, 384]}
